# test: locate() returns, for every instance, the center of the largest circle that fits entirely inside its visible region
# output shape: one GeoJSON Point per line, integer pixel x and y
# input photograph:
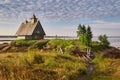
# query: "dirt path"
{"type": "Point", "coordinates": [90, 72]}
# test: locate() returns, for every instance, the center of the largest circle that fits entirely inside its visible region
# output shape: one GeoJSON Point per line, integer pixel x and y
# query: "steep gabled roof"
{"type": "Point", "coordinates": [40, 28]}
{"type": "Point", "coordinates": [28, 28]}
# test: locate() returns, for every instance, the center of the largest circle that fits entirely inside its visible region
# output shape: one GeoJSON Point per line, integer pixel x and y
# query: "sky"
{"type": "Point", "coordinates": [61, 17]}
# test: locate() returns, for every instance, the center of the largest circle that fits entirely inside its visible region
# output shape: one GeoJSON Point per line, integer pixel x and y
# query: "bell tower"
{"type": "Point", "coordinates": [33, 18]}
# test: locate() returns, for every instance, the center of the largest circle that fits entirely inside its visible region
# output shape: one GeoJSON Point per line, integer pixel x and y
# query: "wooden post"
{"type": "Point", "coordinates": [61, 50]}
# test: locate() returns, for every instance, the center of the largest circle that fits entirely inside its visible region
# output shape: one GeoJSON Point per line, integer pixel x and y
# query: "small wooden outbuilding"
{"type": "Point", "coordinates": [31, 30]}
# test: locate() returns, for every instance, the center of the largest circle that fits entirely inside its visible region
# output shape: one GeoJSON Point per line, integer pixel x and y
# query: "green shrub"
{"type": "Point", "coordinates": [104, 40]}
{"type": "Point", "coordinates": [23, 42]}
{"type": "Point", "coordinates": [70, 48]}
{"type": "Point", "coordinates": [40, 44]}
{"type": "Point", "coordinates": [65, 45]}
{"type": "Point", "coordinates": [55, 43]}
{"type": "Point", "coordinates": [30, 43]}
{"type": "Point", "coordinates": [96, 46]}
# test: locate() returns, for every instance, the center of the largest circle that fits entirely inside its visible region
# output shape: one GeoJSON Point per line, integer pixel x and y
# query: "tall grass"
{"type": "Point", "coordinates": [98, 58]}
{"type": "Point", "coordinates": [34, 65]}
{"type": "Point", "coordinates": [107, 69]}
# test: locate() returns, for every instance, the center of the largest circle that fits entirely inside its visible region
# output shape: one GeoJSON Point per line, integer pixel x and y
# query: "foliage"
{"type": "Point", "coordinates": [67, 46]}
{"type": "Point", "coordinates": [84, 34]}
{"type": "Point", "coordinates": [104, 41]}
{"type": "Point", "coordinates": [22, 42]}
{"type": "Point", "coordinates": [40, 44]}
{"type": "Point", "coordinates": [84, 39]}
{"type": "Point", "coordinates": [30, 43]}
{"type": "Point", "coordinates": [54, 43]}
{"type": "Point", "coordinates": [81, 30]}
{"type": "Point", "coordinates": [70, 48]}
{"type": "Point", "coordinates": [89, 33]}
{"type": "Point", "coordinates": [96, 46]}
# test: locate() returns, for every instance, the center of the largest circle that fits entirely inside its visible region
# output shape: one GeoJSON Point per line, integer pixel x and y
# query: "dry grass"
{"type": "Point", "coordinates": [35, 65]}
{"type": "Point", "coordinates": [107, 69]}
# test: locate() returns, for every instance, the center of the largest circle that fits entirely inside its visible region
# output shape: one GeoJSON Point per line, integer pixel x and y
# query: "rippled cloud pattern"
{"type": "Point", "coordinates": [59, 10]}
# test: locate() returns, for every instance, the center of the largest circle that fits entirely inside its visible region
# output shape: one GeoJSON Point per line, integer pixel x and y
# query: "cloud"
{"type": "Point", "coordinates": [59, 10]}
{"type": "Point", "coordinates": [5, 1]}
{"type": "Point", "coordinates": [109, 28]}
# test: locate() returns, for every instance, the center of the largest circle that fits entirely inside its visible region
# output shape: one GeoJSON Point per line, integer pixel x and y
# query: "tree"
{"type": "Point", "coordinates": [84, 34]}
{"type": "Point", "coordinates": [104, 41]}
{"type": "Point", "coordinates": [89, 33]}
{"type": "Point", "coordinates": [81, 30]}
{"type": "Point", "coordinates": [84, 39]}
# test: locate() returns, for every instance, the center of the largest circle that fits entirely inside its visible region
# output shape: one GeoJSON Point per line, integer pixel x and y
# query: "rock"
{"type": "Point", "coordinates": [112, 53]}
{"type": "Point", "coordinates": [13, 49]}
{"type": "Point", "coordinates": [3, 45]}
{"type": "Point", "coordinates": [31, 47]}
{"type": "Point", "coordinates": [6, 48]}
{"type": "Point", "coordinates": [22, 49]}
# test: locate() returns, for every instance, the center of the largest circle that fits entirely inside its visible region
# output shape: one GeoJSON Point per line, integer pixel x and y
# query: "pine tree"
{"type": "Point", "coordinates": [83, 29]}
{"type": "Point", "coordinates": [80, 30]}
{"type": "Point", "coordinates": [84, 34]}
{"type": "Point", "coordinates": [89, 35]}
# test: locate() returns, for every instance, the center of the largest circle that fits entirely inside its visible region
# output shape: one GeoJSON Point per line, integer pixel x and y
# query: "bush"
{"type": "Point", "coordinates": [40, 44]}
{"type": "Point", "coordinates": [96, 46]}
{"type": "Point", "coordinates": [55, 44]}
{"type": "Point", "coordinates": [104, 41]}
{"type": "Point", "coordinates": [70, 48]}
{"type": "Point", "coordinates": [23, 42]}
{"type": "Point", "coordinates": [66, 45]}
{"type": "Point", "coordinates": [30, 43]}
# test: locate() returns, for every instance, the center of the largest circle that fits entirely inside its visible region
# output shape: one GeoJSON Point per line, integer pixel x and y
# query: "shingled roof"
{"type": "Point", "coordinates": [27, 28]}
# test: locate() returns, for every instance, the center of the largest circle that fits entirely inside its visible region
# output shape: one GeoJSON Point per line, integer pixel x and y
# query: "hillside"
{"type": "Point", "coordinates": [57, 60]}
{"type": "Point", "coordinates": [35, 65]}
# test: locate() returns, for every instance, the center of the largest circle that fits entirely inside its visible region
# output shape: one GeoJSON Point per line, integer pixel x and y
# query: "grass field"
{"type": "Point", "coordinates": [51, 64]}
{"type": "Point", "coordinates": [34, 65]}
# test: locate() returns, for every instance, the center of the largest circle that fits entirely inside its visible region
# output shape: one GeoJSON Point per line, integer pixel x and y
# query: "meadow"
{"type": "Point", "coordinates": [56, 60]}
{"type": "Point", "coordinates": [36, 65]}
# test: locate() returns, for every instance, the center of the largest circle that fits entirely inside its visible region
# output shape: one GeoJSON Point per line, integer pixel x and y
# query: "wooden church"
{"type": "Point", "coordinates": [31, 30]}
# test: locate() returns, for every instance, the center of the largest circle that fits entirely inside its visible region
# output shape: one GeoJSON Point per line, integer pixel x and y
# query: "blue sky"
{"type": "Point", "coordinates": [61, 17]}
